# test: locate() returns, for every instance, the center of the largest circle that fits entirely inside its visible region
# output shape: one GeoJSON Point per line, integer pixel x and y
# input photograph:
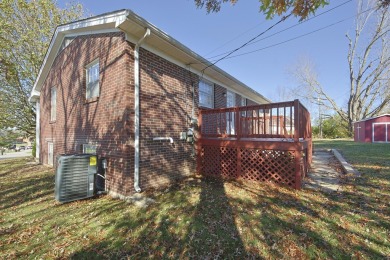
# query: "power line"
{"type": "Point", "coordinates": [250, 29]}
{"type": "Point", "coordinates": [290, 27]}
{"type": "Point", "coordinates": [297, 37]}
{"type": "Point", "coordinates": [254, 38]}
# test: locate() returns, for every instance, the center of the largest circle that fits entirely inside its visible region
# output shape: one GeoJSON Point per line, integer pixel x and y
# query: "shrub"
{"type": "Point", "coordinates": [34, 149]}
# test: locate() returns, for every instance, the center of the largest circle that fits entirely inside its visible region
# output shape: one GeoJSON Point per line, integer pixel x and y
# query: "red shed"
{"type": "Point", "coordinates": [373, 130]}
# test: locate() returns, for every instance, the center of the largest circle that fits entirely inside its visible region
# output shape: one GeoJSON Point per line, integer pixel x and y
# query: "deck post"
{"type": "Point", "coordinates": [238, 134]}
{"type": "Point", "coordinates": [298, 179]}
{"type": "Point", "coordinates": [239, 169]}
{"type": "Point", "coordinates": [296, 120]}
{"type": "Point", "coordinates": [198, 144]}
{"type": "Point", "coordinates": [310, 151]}
{"type": "Point", "coordinates": [237, 123]}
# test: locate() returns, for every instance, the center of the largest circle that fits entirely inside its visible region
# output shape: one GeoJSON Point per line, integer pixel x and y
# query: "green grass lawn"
{"type": "Point", "coordinates": [202, 218]}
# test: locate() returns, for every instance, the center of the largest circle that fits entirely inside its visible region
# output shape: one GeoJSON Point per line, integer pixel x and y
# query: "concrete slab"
{"type": "Point", "coordinates": [140, 200]}
{"type": "Point", "coordinates": [13, 155]}
{"type": "Point", "coordinates": [324, 174]}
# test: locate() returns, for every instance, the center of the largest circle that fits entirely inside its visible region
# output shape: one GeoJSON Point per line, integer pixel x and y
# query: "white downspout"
{"type": "Point", "coordinates": [37, 130]}
{"type": "Point", "coordinates": [136, 108]}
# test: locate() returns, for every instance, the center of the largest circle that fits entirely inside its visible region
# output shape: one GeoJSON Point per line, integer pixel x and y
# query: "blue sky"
{"type": "Point", "coordinates": [266, 70]}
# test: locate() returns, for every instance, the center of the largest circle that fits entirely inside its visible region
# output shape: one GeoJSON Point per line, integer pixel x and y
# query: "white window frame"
{"type": "Point", "coordinates": [209, 95]}
{"type": "Point", "coordinates": [243, 104]}
{"type": "Point", "coordinates": [230, 116]}
{"type": "Point", "coordinates": [230, 95]}
{"type": "Point", "coordinates": [387, 138]}
{"type": "Point", "coordinates": [88, 147]}
{"type": "Point", "coordinates": [243, 101]}
{"type": "Point", "coordinates": [95, 83]}
{"type": "Point", "coordinates": [53, 104]}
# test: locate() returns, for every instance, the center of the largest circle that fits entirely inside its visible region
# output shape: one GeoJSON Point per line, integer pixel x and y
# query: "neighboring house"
{"type": "Point", "coordinates": [373, 130]}
{"type": "Point", "coordinates": [117, 86]}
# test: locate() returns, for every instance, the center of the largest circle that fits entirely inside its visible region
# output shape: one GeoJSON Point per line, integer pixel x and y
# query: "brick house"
{"type": "Point", "coordinates": [116, 85]}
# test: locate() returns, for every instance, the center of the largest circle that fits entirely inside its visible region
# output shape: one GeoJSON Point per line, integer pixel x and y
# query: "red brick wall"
{"type": "Point", "coordinates": [219, 98]}
{"type": "Point", "coordinates": [107, 122]}
{"type": "Point", "coordinates": [166, 106]}
{"type": "Point", "coordinates": [166, 92]}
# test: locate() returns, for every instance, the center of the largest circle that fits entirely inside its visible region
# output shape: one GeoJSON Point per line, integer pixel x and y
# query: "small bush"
{"type": "Point", "coordinates": [34, 149]}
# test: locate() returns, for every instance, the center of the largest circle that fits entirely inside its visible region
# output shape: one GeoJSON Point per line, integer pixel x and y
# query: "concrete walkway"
{"type": "Point", "coordinates": [324, 173]}
{"type": "Point", "coordinates": [12, 155]}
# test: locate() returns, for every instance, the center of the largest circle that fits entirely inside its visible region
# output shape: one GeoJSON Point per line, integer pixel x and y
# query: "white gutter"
{"type": "Point", "coordinates": [136, 108]}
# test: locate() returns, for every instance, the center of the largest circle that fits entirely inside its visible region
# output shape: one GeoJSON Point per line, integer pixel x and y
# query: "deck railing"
{"type": "Point", "coordinates": [269, 142]}
{"type": "Point", "coordinates": [276, 120]}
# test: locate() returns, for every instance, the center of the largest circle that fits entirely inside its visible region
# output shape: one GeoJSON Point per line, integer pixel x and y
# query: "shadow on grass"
{"type": "Point", "coordinates": [205, 218]}
{"type": "Point", "coordinates": [19, 186]}
{"type": "Point", "coordinates": [183, 229]}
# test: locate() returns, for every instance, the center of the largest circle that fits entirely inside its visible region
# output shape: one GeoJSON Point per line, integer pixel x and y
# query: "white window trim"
{"type": "Point", "coordinates": [387, 138]}
{"type": "Point", "coordinates": [232, 94]}
{"type": "Point", "coordinates": [211, 84]}
{"type": "Point", "coordinates": [243, 104]}
{"type": "Point", "coordinates": [84, 147]}
{"type": "Point", "coordinates": [90, 65]}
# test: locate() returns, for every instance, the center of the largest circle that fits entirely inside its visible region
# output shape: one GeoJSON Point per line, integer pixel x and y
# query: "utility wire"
{"type": "Point", "coordinates": [288, 28]}
{"type": "Point", "coordinates": [297, 37]}
{"type": "Point", "coordinates": [245, 44]}
{"type": "Point", "coordinates": [250, 29]}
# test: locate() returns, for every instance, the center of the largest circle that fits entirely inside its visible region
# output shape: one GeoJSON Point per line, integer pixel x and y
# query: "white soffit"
{"type": "Point", "coordinates": [87, 26]}
{"type": "Point", "coordinates": [134, 26]}
{"type": "Point", "coordinates": [162, 43]}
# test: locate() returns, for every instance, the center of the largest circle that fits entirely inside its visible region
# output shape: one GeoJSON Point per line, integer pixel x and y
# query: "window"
{"type": "Point", "coordinates": [206, 94]}
{"type": "Point", "coordinates": [230, 99]}
{"type": "Point", "coordinates": [243, 104]}
{"type": "Point", "coordinates": [53, 104]}
{"type": "Point", "coordinates": [92, 71]}
{"type": "Point", "coordinates": [230, 116]}
{"type": "Point", "coordinates": [243, 101]}
{"type": "Point", "coordinates": [88, 148]}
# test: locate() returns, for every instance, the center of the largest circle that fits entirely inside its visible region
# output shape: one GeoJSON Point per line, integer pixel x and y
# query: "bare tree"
{"type": "Point", "coordinates": [369, 68]}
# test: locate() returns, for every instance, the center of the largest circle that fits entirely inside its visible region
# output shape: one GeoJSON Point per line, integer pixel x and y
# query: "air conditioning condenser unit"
{"type": "Point", "coordinates": [75, 177]}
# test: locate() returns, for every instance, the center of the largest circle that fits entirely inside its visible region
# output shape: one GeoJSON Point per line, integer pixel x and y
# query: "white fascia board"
{"type": "Point", "coordinates": [187, 67]}
{"type": "Point", "coordinates": [34, 97]}
{"type": "Point", "coordinates": [93, 32]}
{"type": "Point", "coordinates": [99, 24]}
{"type": "Point", "coordinates": [171, 59]}
{"type": "Point", "coordinates": [363, 120]}
{"type": "Point", "coordinates": [194, 57]}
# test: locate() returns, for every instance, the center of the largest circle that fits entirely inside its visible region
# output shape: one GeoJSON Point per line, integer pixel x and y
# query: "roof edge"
{"type": "Point", "coordinates": [135, 17]}
{"type": "Point", "coordinates": [369, 118]}
{"type": "Point", "coordinates": [114, 19]}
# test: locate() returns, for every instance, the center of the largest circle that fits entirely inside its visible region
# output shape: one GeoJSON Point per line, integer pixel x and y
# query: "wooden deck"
{"type": "Point", "coordinates": [270, 142]}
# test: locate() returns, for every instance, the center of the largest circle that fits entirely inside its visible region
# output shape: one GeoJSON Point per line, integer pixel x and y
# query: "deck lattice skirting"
{"type": "Point", "coordinates": [269, 142]}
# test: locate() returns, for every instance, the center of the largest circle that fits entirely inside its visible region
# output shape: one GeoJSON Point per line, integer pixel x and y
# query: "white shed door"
{"type": "Point", "coordinates": [381, 132]}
